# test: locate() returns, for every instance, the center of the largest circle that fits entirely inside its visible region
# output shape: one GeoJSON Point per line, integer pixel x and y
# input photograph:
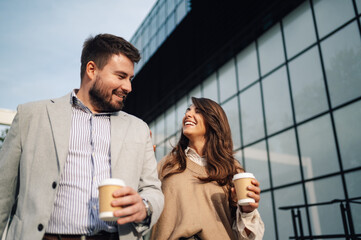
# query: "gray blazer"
{"type": "Point", "coordinates": [33, 157]}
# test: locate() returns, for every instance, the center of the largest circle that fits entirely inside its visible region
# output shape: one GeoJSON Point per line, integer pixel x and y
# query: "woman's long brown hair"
{"type": "Point", "coordinates": [218, 148]}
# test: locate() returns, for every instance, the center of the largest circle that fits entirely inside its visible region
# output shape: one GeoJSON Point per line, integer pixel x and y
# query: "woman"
{"type": "Point", "coordinates": [200, 201]}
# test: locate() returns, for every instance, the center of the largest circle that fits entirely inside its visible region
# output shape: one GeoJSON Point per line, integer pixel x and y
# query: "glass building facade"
{"type": "Point", "coordinates": [158, 25]}
{"type": "Point", "coordinates": [293, 100]}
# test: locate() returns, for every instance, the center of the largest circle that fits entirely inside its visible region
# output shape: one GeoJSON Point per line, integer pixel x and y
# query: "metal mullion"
{"type": "Point", "coordinates": [239, 110]}
{"type": "Point", "coordinates": [296, 130]}
{"type": "Point", "coordinates": [329, 104]}
{"type": "Point", "coordinates": [357, 15]}
{"type": "Point", "coordinates": [266, 139]}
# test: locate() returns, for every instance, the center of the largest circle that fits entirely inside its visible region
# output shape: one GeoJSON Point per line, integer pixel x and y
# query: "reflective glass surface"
{"type": "Point", "coordinates": [358, 3]}
{"type": "Point", "coordinates": [247, 66]}
{"type": "Point", "coordinates": [227, 80]}
{"type": "Point", "coordinates": [170, 122]}
{"type": "Point", "coordinates": [170, 144]}
{"type": "Point", "coordinates": [320, 191]}
{"type": "Point", "coordinates": [342, 57]}
{"type": "Point", "coordinates": [231, 109]}
{"type": "Point", "coordinates": [182, 106]}
{"type": "Point", "coordinates": [181, 11]}
{"type": "Point", "coordinates": [251, 114]}
{"type": "Point", "coordinates": [331, 14]}
{"type": "Point", "coordinates": [159, 129]}
{"type": "Point", "coordinates": [271, 49]}
{"type": "Point", "coordinates": [285, 163]}
{"type": "Point", "coordinates": [210, 88]}
{"type": "Point", "coordinates": [308, 88]}
{"type": "Point", "coordinates": [353, 180]}
{"type": "Point", "coordinates": [256, 162]}
{"type": "Point", "coordinates": [266, 211]}
{"type": "Point", "coordinates": [277, 101]}
{"type": "Point", "coordinates": [170, 23]}
{"type": "Point", "coordinates": [318, 149]}
{"type": "Point", "coordinates": [160, 151]}
{"type": "Point", "coordinates": [288, 197]}
{"type": "Point", "coordinates": [299, 29]}
{"type": "Point", "coordinates": [196, 92]}
{"type": "Point", "coordinates": [348, 128]}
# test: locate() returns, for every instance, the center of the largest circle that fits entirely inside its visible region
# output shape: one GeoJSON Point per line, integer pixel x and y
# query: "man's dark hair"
{"type": "Point", "coordinates": [101, 47]}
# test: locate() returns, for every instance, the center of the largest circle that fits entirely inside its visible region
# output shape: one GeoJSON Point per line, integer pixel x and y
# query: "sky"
{"type": "Point", "coordinates": [41, 42]}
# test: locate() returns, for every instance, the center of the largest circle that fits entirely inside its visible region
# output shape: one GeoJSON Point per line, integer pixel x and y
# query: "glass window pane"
{"type": "Point", "coordinates": [342, 57]}
{"type": "Point", "coordinates": [288, 197]}
{"type": "Point", "coordinates": [160, 127]}
{"type": "Point", "coordinates": [277, 101]}
{"type": "Point", "coordinates": [299, 29]}
{"type": "Point", "coordinates": [348, 128]}
{"type": "Point", "coordinates": [252, 115]}
{"type": "Point", "coordinates": [161, 14]}
{"type": "Point", "coordinates": [358, 3]}
{"type": "Point", "coordinates": [285, 164]}
{"type": "Point", "coordinates": [325, 190]}
{"type": "Point", "coordinates": [181, 11]}
{"type": "Point", "coordinates": [170, 23]}
{"type": "Point", "coordinates": [160, 151]}
{"type": "Point", "coordinates": [231, 109]}
{"type": "Point", "coordinates": [331, 14]}
{"type": "Point", "coordinates": [170, 121]}
{"type": "Point", "coordinates": [308, 88]}
{"type": "Point", "coordinates": [170, 6]}
{"type": "Point", "coordinates": [161, 34]}
{"type": "Point", "coordinates": [315, 137]}
{"type": "Point", "coordinates": [170, 144]}
{"type": "Point", "coordinates": [227, 80]}
{"type": "Point", "coordinates": [195, 92]}
{"type": "Point", "coordinates": [271, 49]}
{"type": "Point", "coordinates": [247, 66]}
{"type": "Point", "coordinates": [182, 106]}
{"type": "Point", "coordinates": [256, 162]}
{"type": "Point", "coordinates": [266, 210]}
{"type": "Point", "coordinates": [353, 180]}
{"type": "Point", "coordinates": [210, 88]}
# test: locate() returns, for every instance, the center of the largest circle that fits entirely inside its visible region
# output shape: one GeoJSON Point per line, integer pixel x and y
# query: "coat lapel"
{"type": "Point", "coordinates": [119, 127]}
{"type": "Point", "coordinates": [59, 111]}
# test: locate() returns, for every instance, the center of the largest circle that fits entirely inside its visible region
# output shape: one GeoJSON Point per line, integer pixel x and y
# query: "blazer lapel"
{"type": "Point", "coordinates": [59, 111]}
{"type": "Point", "coordinates": [119, 127]}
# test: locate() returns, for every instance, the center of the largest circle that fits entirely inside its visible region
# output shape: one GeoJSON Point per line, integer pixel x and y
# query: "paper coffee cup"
{"type": "Point", "coordinates": [241, 181]}
{"type": "Point", "coordinates": [106, 189]}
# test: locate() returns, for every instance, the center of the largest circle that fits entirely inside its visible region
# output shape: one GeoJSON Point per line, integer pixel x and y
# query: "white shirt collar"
{"type": "Point", "coordinates": [193, 155]}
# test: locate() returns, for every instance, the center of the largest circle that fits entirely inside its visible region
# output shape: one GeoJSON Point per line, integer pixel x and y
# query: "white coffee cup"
{"type": "Point", "coordinates": [241, 181]}
{"type": "Point", "coordinates": [106, 189]}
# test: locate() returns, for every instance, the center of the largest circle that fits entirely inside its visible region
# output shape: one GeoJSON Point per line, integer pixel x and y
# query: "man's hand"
{"type": "Point", "coordinates": [133, 209]}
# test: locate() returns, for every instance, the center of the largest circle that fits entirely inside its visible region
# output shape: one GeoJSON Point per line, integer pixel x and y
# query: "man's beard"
{"type": "Point", "coordinates": [101, 100]}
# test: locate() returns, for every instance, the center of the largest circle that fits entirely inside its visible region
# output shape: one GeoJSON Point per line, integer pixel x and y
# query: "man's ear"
{"type": "Point", "coordinates": [91, 69]}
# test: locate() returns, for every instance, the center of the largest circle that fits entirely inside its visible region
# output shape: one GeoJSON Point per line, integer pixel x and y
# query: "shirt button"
{"type": "Point", "coordinates": [54, 185]}
{"type": "Point", "coordinates": [40, 227]}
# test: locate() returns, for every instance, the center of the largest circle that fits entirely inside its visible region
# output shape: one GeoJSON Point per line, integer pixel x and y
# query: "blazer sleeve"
{"type": "Point", "coordinates": [150, 185]}
{"type": "Point", "coordinates": [10, 155]}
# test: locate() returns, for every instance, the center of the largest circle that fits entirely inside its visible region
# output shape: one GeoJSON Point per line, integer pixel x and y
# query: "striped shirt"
{"type": "Point", "coordinates": [76, 207]}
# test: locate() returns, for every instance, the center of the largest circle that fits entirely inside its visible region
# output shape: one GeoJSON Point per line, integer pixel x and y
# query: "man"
{"type": "Point", "coordinates": [58, 151]}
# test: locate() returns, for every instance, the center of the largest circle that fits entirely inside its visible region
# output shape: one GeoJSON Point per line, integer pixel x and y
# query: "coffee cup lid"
{"type": "Point", "coordinates": [243, 175]}
{"type": "Point", "coordinates": [112, 181]}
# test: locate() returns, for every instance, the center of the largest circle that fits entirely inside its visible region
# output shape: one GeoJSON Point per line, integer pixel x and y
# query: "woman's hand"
{"type": "Point", "coordinates": [254, 193]}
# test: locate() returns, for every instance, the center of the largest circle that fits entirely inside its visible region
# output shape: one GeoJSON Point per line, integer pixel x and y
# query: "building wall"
{"type": "Point", "coordinates": [293, 99]}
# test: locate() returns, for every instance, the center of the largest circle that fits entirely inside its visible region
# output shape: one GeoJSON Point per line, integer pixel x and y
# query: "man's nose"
{"type": "Point", "coordinates": [127, 86]}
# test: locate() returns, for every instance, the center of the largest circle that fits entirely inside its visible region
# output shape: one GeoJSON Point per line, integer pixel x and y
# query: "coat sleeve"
{"type": "Point", "coordinates": [10, 155]}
